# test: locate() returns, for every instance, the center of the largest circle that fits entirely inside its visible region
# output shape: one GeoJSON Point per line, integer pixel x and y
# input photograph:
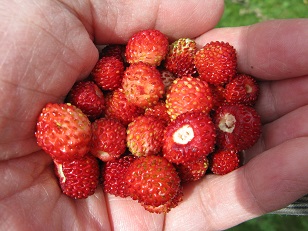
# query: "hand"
{"type": "Point", "coordinates": [47, 46]}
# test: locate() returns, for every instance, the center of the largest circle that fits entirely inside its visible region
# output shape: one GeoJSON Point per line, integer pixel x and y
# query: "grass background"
{"type": "Point", "coordinates": [246, 12]}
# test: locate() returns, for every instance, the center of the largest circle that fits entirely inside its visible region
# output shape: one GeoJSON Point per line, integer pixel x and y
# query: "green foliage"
{"type": "Point", "coordinates": [246, 12]}
{"type": "Point", "coordinates": [272, 222]}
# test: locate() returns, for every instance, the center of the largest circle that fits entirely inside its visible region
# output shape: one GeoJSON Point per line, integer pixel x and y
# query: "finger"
{"type": "Point", "coordinates": [116, 21]}
{"type": "Point", "coordinates": [127, 214]}
{"type": "Point", "coordinates": [287, 127]}
{"type": "Point", "coordinates": [278, 98]}
{"type": "Point", "coordinates": [268, 182]}
{"type": "Point", "coordinates": [270, 50]}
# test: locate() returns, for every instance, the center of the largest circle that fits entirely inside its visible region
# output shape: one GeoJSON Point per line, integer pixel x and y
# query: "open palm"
{"type": "Point", "coordinates": [46, 46]}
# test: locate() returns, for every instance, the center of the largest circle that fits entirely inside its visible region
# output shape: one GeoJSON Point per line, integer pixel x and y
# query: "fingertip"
{"type": "Point", "coordinates": [117, 22]}
{"type": "Point", "coordinates": [269, 50]}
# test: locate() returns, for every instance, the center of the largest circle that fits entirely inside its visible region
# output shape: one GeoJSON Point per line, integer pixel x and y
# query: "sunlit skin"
{"type": "Point", "coordinates": [46, 46]}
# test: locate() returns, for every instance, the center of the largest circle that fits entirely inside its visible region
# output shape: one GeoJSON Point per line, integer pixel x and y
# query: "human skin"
{"type": "Point", "coordinates": [46, 46]}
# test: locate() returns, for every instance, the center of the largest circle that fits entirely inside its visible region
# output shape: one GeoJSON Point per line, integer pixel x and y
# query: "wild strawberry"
{"type": "Point", "coordinates": [238, 127]}
{"type": "Point", "coordinates": [190, 137]}
{"type": "Point", "coordinates": [165, 208]}
{"type": "Point", "coordinates": [224, 161]}
{"type": "Point", "coordinates": [108, 73]}
{"type": "Point", "coordinates": [88, 97]}
{"type": "Point", "coordinates": [188, 94]}
{"type": "Point", "coordinates": [113, 174]}
{"type": "Point", "coordinates": [152, 180]}
{"type": "Point", "coordinates": [180, 58]}
{"type": "Point", "coordinates": [242, 89]}
{"type": "Point", "coordinates": [218, 95]}
{"type": "Point", "coordinates": [216, 62]}
{"type": "Point", "coordinates": [193, 171]}
{"type": "Point", "coordinates": [108, 139]}
{"type": "Point", "coordinates": [114, 50]}
{"type": "Point", "coordinates": [142, 85]}
{"type": "Point", "coordinates": [148, 46]}
{"type": "Point", "coordinates": [117, 106]}
{"type": "Point", "coordinates": [159, 110]}
{"type": "Point", "coordinates": [145, 135]}
{"type": "Point", "coordinates": [63, 131]}
{"type": "Point", "coordinates": [79, 177]}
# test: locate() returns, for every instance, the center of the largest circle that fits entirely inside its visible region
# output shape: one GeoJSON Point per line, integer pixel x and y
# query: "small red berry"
{"type": "Point", "coordinates": [108, 139]}
{"type": "Point", "coordinates": [224, 161]}
{"type": "Point", "coordinates": [147, 46]}
{"type": "Point", "coordinates": [216, 62]}
{"type": "Point", "coordinates": [145, 135]}
{"type": "Point", "coordinates": [242, 89]}
{"type": "Point", "coordinates": [160, 111]}
{"type": "Point", "coordinates": [113, 175]}
{"type": "Point", "coordinates": [193, 171]}
{"type": "Point", "coordinates": [63, 131]}
{"type": "Point", "coordinates": [190, 137]}
{"type": "Point", "coordinates": [79, 177]}
{"type": "Point", "coordinates": [89, 98]}
{"type": "Point", "coordinates": [188, 94]}
{"type": "Point", "coordinates": [118, 107]}
{"type": "Point", "coordinates": [142, 85]}
{"type": "Point", "coordinates": [108, 73]}
{"type": "Point", "coordinates": [152, 180]}
{"type": "Point", "coordinates": [238, 127]}
{"type": "Point", "coordinates": [180, 58]}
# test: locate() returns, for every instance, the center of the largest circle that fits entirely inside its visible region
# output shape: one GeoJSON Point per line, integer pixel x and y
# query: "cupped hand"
{"type": "Point", "coordinates": [46, 46]}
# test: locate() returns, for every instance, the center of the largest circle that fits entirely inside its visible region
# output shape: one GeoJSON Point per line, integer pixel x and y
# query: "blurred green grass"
{"type": "Point", "coordinates": [247, 12]}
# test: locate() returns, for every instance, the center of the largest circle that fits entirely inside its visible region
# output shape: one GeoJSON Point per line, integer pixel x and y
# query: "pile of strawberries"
{"type": "Point", "coordinates": [152, 117]}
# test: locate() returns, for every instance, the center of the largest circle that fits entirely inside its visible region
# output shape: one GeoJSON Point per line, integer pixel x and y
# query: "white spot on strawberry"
{"type": "Point", "coordinates": [183, 135]}
{"type": "Point", "coordinates": [227, 123]}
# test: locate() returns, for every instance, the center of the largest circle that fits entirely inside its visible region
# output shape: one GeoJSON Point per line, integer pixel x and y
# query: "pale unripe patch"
{"type": "Point", "coordinates": [103, 155]}
{"type": "Point", "coordinates": [183, 135]}
{"type": "Point", "coordinates": [60, 172]}
{"type": "Point", "coordinates": [248, 88]}
{"type": "Point", "coordinates": [227, 123]}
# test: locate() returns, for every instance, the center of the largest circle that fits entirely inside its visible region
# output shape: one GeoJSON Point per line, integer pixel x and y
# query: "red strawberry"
{"type": "Point", "coordinates": [159, 110]}
{"type": "Point", "coordinates": [188, 94]}
{"type": "Point", "coordinates": [224, 161]}
{"type": "Point", "coordinates": [108, 139]}
{"type": "Point", "coordinates": [108, 73]}
{"type": "Point", "coordinates": [152, 180]}
{"type": "Point", "coordinates": [148, 46]}
{"type": "Point", "coordinates": [242, 89]}
{"type": "Point", "coordinates": [193, 171]}
{"type": "Point", "coordinates": [142, 85]}
{"type": "Point", "coordinates": [180, 58]}
{"type": "Point", "coordinates": [165, 208]}
{"type": "Point", "coordinates": [117, 106]}
{"type": "Point", "coordinates": [190, 137]}
{"type": "Point", "coordinates": [115, 50]}
{"type": "Point", "coordinates": [113, 175]}
{"type": "Point", "coordinates": [218, 95]}
{"type": "Point", "coordinates": [88, 97]}
{"type": "Point", "coordinates": [238, 127]}
{"type": "Point", "coordinates": [145, 135]}
{"type": "Point", "coordinates": [216, 62]}
{"type": "Point", "coordinates": [79, 177]}
{"type": "Point", "coordinates": [63, 131]}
